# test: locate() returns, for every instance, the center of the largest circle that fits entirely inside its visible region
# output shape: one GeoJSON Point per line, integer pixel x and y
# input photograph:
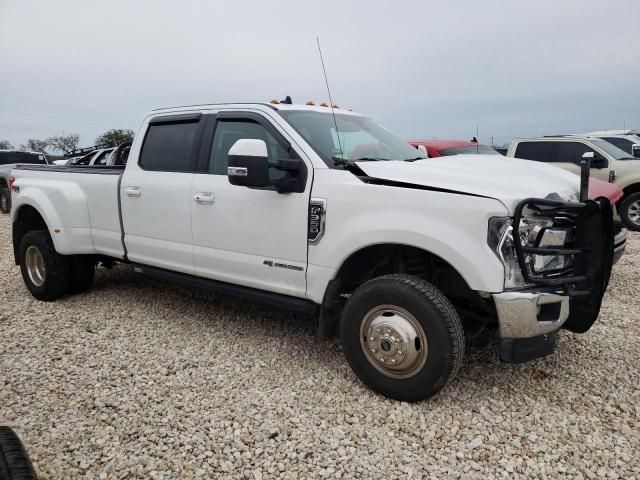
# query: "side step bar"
{"type": "Point", "coordinates": [288, 302]}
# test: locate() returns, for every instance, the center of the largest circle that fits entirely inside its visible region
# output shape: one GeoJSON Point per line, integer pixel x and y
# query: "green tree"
{"type": "Point", "coordinates": [5, 145]}
{"type": "Point", "coordinates": [35, 145]}
{"type": "Point", "coordinates": [114, 137]}
{"type": "Point", "coordinates": [64, 143]}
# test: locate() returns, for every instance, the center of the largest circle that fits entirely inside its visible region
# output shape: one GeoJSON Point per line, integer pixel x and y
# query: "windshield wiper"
{"type": "Point", "coordinates": [414, 159]}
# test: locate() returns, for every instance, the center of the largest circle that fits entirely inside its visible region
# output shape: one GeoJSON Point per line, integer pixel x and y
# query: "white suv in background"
{"type": "Point", "coordinates": [627, 140]}
{"type": "Point", "coordinates": [610, 163]}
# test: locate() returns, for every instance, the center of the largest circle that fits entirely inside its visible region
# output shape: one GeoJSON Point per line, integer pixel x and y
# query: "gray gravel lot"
{"type": "Point", "coordinates": [139, 379]}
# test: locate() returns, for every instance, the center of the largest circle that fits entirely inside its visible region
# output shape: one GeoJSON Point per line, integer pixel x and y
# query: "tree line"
{"type": "Point", "coordinates": [66, 143]}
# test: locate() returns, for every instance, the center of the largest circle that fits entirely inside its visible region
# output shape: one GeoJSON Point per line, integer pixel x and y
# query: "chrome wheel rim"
{"type": "Point", "coordinates": [35, 266]}
{"type": "Point", "coordinates": [633, 212]}
{"type": "Point", "coordinates": [393, 341]}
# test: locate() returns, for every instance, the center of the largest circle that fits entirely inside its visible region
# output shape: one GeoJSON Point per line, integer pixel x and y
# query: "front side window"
{"type": "Point", "coordinates": [228, 132]}
{"type": "Point", "coordinates": [571, 151]}
{"type": "Point", "coordinates": [355, 138]}
{"type": "Point", "coordinates": [168, 147]}
{"type": "Point", "coordinates": [538, 151]}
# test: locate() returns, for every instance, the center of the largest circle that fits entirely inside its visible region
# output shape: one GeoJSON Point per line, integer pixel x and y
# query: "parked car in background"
{"type": "Point", "coordinates": [97, 157]}
{"type": "Point", "coordinates": [597, 188]}
{"type": "Point", "coordinates": [627, 140]}
{"type": "Point", "coordinates": [8, 160]}
{"type": "Point", "coordinates": [609, 164]}
{"type": "Point", "coordinates": [442, 148]}
{"type": "Point", "coordinates": [335, 216]}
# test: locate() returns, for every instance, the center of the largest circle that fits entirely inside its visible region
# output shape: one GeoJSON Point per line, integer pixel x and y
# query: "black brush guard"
{"type": "Point", "coordinates": [591, 248]}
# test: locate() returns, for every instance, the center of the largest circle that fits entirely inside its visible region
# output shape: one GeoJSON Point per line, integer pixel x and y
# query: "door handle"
{"type": "Point", "coordinates": [133, 191]}
{"type": "Point", "coordinates": [204, 198]}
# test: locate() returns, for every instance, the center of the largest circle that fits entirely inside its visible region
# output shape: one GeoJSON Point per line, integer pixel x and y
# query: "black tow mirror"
{"type": "Point", "coordinates": [598, 161]}
{"type": "Point", "coordinates": [248, 163]}
{"type": "Point", "coordinates": [635, 150]}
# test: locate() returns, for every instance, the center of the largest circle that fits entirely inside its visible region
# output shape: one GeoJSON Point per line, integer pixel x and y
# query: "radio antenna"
{"type": "Point", "coordinates": [326, 81]}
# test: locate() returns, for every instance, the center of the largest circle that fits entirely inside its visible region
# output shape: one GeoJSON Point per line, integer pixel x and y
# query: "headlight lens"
{"type": "Point", "coordinates": [534, 232]}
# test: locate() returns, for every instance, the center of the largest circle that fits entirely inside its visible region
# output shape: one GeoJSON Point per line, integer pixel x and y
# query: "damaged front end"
{"type": "Point", "coordinates": [557, 257]}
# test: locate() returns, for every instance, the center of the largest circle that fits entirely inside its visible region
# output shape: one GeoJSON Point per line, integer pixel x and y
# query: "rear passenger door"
{"type": "Point", "coordinates": [156, 193]}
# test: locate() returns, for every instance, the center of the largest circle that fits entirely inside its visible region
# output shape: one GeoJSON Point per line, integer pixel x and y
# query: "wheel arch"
{"type": "Point", "coordinates": [26, 219]}
{"type": "Point", "coordinates": [390, 258]}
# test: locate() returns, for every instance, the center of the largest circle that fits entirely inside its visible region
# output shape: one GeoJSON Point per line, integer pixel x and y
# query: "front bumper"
{"type": "Point", "coordinates": [529, 322]}
{"type": "Point", "coordinates": [529, 314]}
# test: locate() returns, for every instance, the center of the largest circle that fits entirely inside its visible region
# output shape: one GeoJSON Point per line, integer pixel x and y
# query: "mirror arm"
{"type": "Point", "coordinates": [292, 165]}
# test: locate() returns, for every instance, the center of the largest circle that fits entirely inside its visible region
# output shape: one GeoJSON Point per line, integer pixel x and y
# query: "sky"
{"type": "Point", "coordinates": [423, 69]}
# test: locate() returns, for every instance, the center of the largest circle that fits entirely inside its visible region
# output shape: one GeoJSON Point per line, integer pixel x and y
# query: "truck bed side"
{"type": "Point", "coordinates": [79, 205]}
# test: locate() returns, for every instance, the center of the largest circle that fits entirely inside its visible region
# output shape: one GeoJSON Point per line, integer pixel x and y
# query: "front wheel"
{"type": "Point", "coordinates": [45, 272]}
{"type": "Point", "coordinates": [402, 337]}
{"type": "Point", "coordinates": [630, 212]}
{"type": "Point", "coordinates": [5, 200]}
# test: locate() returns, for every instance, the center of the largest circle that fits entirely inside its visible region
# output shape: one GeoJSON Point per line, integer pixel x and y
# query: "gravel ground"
{"type": "Point", "coordinates": [141, 379]}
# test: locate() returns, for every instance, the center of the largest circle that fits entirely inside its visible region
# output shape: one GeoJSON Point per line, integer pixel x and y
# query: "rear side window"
{"type": "Point", "coordinates": [169, 147]}
{"type": "Point", "coordinates": [8, 158]}
{"type": "Point", "coordinates": [538, 151]}
{"type": "Point", "coordinates": [571, 151]}
{"type": "Point", "coordinates": [622, 143]}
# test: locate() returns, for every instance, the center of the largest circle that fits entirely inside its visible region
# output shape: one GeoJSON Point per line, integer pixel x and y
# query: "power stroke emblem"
{"type": "Point", "coordinates": [271, 263]}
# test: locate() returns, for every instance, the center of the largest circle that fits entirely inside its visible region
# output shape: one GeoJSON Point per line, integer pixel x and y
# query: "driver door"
{"type": "Point", "coordinates": [255, 237]}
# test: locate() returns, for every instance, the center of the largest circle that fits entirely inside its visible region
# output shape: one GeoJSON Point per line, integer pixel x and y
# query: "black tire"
{"type": "Point", "coordinates": [5, 200]}
{"type": "Point", "coordinates": [629, 212]}
{"type": "Point", "coordinates": [83, 270]}
{"type": "Point", "coordinates": [14, 461]}
{"type": "Point", "coordinates": [57, 271]}
{"type": "Point", "coordinates": [436, 316]}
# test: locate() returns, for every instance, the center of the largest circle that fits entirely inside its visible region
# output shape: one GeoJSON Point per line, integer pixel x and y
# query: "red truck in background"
{"type": "Point", "coordinates": [597, 188]}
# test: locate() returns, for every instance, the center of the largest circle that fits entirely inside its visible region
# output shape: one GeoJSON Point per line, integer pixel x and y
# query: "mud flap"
{"type": "Point", "coordinates": [595, 230]}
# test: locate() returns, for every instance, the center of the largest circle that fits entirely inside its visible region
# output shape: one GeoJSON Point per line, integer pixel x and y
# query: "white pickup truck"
{"type": "Point", "coordinates": [335, 216]}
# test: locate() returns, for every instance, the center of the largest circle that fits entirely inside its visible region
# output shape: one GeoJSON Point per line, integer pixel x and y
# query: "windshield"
{"type": "Point", "coordinates": [612, 150]}
{"type": "Point", "coordinates": [357, 138]}
{"type": "Point", "coordinates": [8, 158]}
{"type": "Point", "coordinates": [474, 149]}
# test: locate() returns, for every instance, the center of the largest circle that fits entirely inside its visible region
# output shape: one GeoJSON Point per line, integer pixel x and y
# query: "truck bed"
{"type": "Point", "coordinates": [86, 217]}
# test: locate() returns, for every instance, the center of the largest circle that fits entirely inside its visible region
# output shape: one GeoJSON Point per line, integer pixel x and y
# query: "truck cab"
{"type": "Point", "coordinates": [321, 210]}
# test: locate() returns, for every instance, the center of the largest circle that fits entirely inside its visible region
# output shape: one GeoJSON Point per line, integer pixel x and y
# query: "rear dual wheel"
{"type": "Point", "coordinates": [49, 275]}
{"type": "Point", "coordinates": [402, 337]}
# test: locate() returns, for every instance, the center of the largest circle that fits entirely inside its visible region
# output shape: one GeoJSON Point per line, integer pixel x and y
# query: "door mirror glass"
{"type": "Point", "coordinates": [249, 163]}
{"type": "Point", "coordinates": [597, 160]}
{"type": "Point", "coordinates": [635, 150]}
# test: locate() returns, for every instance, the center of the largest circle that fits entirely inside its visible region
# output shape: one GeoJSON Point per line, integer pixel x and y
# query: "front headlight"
{"type": "Point", "coordinates": [534, 232]}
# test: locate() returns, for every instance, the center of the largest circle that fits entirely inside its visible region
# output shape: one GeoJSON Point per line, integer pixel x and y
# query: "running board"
{"type": "Point", "coordinates": [288, 302]}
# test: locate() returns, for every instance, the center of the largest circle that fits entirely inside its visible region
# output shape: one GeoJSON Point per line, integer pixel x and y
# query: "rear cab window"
{"type": "Point", "coordinates": [538, 151]}
{"type": "Point", "coordinates": [169, 144]}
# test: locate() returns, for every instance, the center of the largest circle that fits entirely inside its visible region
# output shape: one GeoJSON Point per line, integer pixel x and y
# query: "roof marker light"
{"type": "Point", "coordinates": [334, 105]}
{"type": "Point", "coordinates": [323, 104]}
{"type": "Point", "coordinates": [310, 103]}
{"type": "Point", "coordinates": [275, 101]}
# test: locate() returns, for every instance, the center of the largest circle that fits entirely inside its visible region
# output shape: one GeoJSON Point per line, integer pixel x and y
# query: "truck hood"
{"type": "Point", "coordinates": [508, 180]}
